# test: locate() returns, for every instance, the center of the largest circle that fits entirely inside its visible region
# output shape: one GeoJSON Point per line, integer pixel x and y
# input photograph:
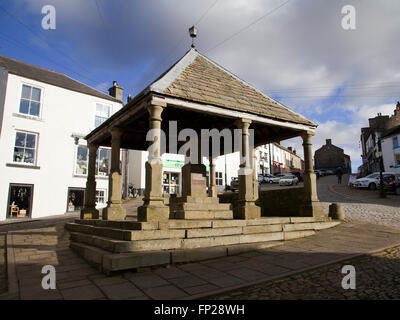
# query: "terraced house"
{"type": "Point", "coordinates": [44, 161]}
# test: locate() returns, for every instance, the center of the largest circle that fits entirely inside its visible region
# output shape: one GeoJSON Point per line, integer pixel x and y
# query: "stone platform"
{"type": "Point", "coordinates": [123, 245]}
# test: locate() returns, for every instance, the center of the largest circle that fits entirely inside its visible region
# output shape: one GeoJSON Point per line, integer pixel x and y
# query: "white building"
{"type": "Point", "coordinates": [44, 116]}
{"type": "Point", "coordinates": [391, 150]}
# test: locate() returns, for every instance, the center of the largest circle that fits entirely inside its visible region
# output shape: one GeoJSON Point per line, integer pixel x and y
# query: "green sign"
{"type": "Point", "coordinates": [177, 164]}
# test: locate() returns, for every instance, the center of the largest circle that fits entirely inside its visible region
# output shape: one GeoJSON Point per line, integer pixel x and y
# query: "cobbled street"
{"type": "Point", "coordinates": [377, 275]}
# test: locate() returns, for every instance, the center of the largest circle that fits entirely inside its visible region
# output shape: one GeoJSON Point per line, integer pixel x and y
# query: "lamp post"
{"type": "Point", "coordinates": [379, 155]}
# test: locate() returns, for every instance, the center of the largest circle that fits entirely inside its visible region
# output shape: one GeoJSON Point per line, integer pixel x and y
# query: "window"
{"type": "Point", "coordinates": [397, 159]}
{"type": "Point", "coordinates": [396, 143]}
{"type": "Point", "coordinates": [81, 160]}
{"type": "Point", "coordinates": [218, 176]}
{"type": "Point", "coordinates": [76, 199]}
{"type": "Point", "coordinates": [102, 114]}
{"type": "Point", "coordinates": [20, 201]}
{"type": "Point", "coordinates": [102, 161]}
{"type": "Point", "coordinates": [30, 100]}
{"type": "Point", "coordinates": [25, 147]}
{"type": "Point", "coordinates": [100, 196]}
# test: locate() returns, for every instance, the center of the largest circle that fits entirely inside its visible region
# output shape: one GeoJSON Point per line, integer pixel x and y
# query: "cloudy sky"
{"type": "Point", "coordinates": [296, 51]}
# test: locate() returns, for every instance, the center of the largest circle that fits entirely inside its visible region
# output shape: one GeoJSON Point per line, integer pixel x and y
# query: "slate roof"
{"type": "Point", "coordinates": [197, 78]}
{"type": "Point", "coordinates": [26, 70]}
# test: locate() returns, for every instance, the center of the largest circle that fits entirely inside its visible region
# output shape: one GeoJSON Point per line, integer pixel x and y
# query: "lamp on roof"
{"type": "Point", "coordinates": [193, 34]}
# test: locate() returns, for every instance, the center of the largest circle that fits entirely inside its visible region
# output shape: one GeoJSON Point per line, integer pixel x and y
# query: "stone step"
{"type": "Point", "coordinates": [213, 232]}
{"type": "Point", "coordinates": [119, 246]}
{"type": "Point", "coordinates": [109, 262]}
{"type": "Point", "coordinates": [203, 215]}
{"type": "Point", "coordinates": [201, 206]}
{"type": "Point", "coordinates": [120, 234]}
{"type": "Point", "coordinates": [128, 225]}
{"type": "Point", "coordinates": [309, 226]}
{"type": "Point", "coordinates": [190, 199]}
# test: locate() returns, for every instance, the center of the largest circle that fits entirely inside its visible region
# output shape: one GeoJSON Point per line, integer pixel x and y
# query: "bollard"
{"type": "Point", "coordinates": [336, 211]}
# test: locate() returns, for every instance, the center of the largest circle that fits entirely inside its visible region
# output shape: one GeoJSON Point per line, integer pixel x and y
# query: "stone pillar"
{"type": "Point", "coordinates": [255, 176]}
{"type": "Point", "coordinates": [311, 206]}
{"type": "Point", "coordinates": [212, 187]}
{"type": "Point", "coordinates": [114, 210]}
{"type": "Point", "coordinates": [153, 208]}
{"type": "Point", "coordinates": [89, 211]}
{"type": "Point", "coordinates": [246, 208]}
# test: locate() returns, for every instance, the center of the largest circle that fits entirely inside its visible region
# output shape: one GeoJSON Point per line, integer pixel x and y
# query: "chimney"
{"type": "Point", "coordinates": [128, 98]}
{"type": "Point", "coordinates": [397, 110]}
{"type": "Point", "coordinates": [290, 148]}
{"type": "Point", "coordinates": [294, 151]}
{"type": "Point", "coordinates": [116, 91]}
{"type": "Point", "coordinates": [328, 141]}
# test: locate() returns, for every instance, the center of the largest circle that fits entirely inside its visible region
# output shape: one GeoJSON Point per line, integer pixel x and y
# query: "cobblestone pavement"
{"type": "Point", "coordinates": [377, 277]}
{"type": "Point", "coordinates": [360, 205]}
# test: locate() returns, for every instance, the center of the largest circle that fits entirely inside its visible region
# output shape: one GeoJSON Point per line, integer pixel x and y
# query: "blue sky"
{"type": "Point", "coordinates": [297, 52]}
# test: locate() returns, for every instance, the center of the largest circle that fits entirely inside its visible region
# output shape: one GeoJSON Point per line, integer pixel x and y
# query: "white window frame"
{"type": "Point", "coordinates": [87, 162]}
{"type": "Point", "coordinates": [40, 102]}
{"type": "Point", "coordinates": [104, 196]}
{"type": "Point", "coordinates": [219, 178]}
{"type": "Point", "coordinates": [102, 117]}
{"type": "Point", "coordinates": [36, 147]}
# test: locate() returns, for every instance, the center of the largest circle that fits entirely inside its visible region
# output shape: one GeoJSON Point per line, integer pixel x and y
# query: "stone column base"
{"type": "Point", "coordinates": [114, 212]}
{"type": "Point", "coordinates": [246, 210]}
{"type": "Point", "coordinates": [312, 209]}
{"type": "Point", "coordinates": [89, 213]}
{"type": "Point", "coordinates": [153, 211]}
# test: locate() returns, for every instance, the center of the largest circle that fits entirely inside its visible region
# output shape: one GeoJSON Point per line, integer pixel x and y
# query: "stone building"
{"type": "Point", "coordinates": [330, 157]}
{"type": "Point", "coordinates": [380, 127]}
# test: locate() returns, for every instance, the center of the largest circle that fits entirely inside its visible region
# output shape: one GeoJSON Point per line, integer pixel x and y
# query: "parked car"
{"type": "Point", "coordinates": [268, 178]}
{"type": "Point", "coordinates": [234, 184]}
{"type": "Point", "coordinates": [329, 172]}
{"type": "Point", "coordinates": [288, 180]}
{"type": "Point", "coordinates": [322, 172]}
{"type": "Point", "coordinates": [371, 181]}
{"type": "Point", "coordinates": [298, 174]}
{"type": "Point", "coordinates": [317, 173]}
{"type": "Point", "coordinates": [391, 183]}
{"type": "Point", "coordinates": [280, 175]}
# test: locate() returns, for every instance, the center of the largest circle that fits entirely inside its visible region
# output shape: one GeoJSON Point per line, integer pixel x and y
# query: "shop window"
{"type": "Point", "coordinates": [25, 147]}
{"type": "Point", "coordinates": [76, 199]}
{"type": "Point", "coordinates": [30, 100]}
{"type": "Point", "coordinates": [20, 198]}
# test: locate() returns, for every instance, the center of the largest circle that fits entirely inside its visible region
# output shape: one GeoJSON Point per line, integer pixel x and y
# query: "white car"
{"type": "Point", "coordinates": [371, 181]}
{"type": "Point", "coordinates": [288, 180]}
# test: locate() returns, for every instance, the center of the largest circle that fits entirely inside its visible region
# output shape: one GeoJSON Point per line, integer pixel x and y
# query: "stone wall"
{"type": "Point", "coordinates": [273, 203]}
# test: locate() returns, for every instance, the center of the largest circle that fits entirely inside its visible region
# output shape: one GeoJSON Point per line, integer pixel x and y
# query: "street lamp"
{"type": "Point", "coordinates": [379, 155]}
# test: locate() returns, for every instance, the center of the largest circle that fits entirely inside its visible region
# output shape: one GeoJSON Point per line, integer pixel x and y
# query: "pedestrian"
{"type": "Point", "coordinates": [339, 174]}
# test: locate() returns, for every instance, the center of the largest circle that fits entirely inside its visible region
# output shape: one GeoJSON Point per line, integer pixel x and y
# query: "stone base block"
{"type": "Point", "coordinates": [312, 209]}
{"type": "Point", "coordinates": [89, 213]}
{"type": "Point", "coordinates": [153, 213]}
{"type": "Point", "coordinates": [247, 211]}
{"type": "Point", "coordinates": [114, 212]}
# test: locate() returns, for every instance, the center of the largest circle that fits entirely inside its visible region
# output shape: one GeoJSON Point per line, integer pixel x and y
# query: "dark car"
{"type": "Point", "coordinates": [391, 183]}
{"type": "Point", "coordinates": [298, 174]}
